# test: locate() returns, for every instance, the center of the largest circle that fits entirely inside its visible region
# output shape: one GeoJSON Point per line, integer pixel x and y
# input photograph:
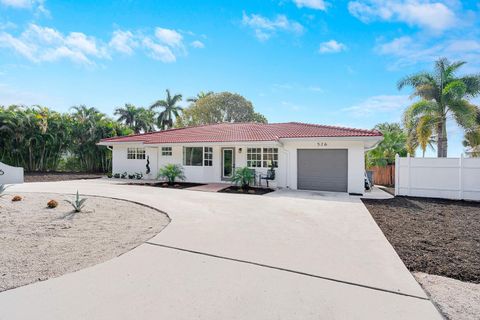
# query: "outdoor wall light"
{"type": "Point", "coordinates": [239, 150]}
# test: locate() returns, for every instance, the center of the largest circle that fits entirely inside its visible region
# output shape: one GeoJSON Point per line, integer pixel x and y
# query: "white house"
{"type": "Point", "coordinates": [306, 156]}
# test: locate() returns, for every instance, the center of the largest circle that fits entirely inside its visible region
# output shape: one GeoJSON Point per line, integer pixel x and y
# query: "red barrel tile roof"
{"type": "Point", "coordinates": [230, 132]}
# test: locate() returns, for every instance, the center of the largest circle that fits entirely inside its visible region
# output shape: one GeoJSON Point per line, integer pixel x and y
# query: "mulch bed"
{"type": "Point", "coordinates": [257, 191]}
{"type": "Point", "coordinates": [177, 185]}
{"type": "Point", "coordinates": [59, 176]}
{"type": "Point", "coordinates": [435, 236]}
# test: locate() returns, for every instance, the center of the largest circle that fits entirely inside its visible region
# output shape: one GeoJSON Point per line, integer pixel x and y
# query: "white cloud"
{"type": "Point", "coordinates": [123, 41]}
{"type": "Point", "coordinates": [38, 5]}
{"type": "Point", "coordinates": [381, 103]}
{"type": "Point", "coordinates": [198, 44]}
{"type": "Point", "coordinates": [408, 51]}
{"type": "Point", "coordinates": [39, 44]}
{"type": "Point", "coordinates": [312, 4]}
{"type": "Point", "coordinates": [158, 51]}
{"type": "Point", "coordinates": [331, 46]}
{"type": "Point", "coordinates": [433, 15]}
{"type": "Point", "coordinates": [169, 37]}
{"type": "Point", "coordinates": [264, 27]}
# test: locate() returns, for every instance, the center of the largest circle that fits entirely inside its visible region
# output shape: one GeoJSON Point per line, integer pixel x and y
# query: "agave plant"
{"type": "Point", "coordinates": [77, 203]}
{"type": "Point", "coordinates": [3, 187]}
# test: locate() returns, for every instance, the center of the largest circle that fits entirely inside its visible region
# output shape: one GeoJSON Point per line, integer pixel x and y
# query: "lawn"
{"type": "Point", "coordinates": [435, 236]}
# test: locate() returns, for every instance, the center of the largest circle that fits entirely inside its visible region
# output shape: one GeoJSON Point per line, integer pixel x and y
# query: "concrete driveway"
{"type": "Point", "coordinates": [226, 256]}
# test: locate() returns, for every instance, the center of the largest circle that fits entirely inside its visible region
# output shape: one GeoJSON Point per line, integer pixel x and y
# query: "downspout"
{"type": "Point", "coordinates": [287, 162]}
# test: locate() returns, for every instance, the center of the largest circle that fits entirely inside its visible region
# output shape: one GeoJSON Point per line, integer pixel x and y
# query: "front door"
{"type": "Point", "coordinates": [228, 162]}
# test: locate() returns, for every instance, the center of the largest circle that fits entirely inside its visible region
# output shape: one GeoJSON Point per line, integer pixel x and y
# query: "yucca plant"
{"type": "Point", "coordinates": [243, 177]}
{"type": "Point", "coordinates": [77, 203]}
{"type": "Point", "coordinates": [171, 172]}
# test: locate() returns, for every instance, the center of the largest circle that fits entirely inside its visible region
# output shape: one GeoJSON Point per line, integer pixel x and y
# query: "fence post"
{"type": "Point", "coordinates": [409, 174]}
{"type": "Point", "coordinates": [397, 176]}
{"type": "Point", "coordinates": [460, 176]}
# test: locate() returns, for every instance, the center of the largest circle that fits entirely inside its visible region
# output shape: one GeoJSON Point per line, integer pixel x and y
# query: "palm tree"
{"type": "Point", "coordinates": [442, 93]}
{"type": "Point", "coordinates": [394, 142]}
{"type": "Point", "coordinates": [127, 115]}
{"type": "Point", "coordinates": [144, 121]}
{"type": "Point", "coordinates": [200, 95]}
{"type": "Point", "coordinates": [170, 110]}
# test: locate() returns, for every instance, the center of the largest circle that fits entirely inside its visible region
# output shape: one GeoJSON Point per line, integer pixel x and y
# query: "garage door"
{"type": "Point", "coordinates": [324, 170]}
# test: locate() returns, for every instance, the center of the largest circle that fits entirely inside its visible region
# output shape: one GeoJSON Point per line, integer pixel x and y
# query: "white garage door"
{"type": "Point", "coordinates": [325, 170]}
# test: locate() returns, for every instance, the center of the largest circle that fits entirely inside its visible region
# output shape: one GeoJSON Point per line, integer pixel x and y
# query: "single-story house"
{"type": "Point", "coordinates": [305, 156]}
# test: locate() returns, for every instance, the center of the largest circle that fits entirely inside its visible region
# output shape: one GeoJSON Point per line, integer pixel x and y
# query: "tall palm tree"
{"type": "Point", "coordinates": [127, 115]}
{"type": "Point", "coordinates": [144, 121]}
{"type": "Point", "coordinates": [170, 110]}
{"type": "Point", "coordinates": [441, 94]}
{"type": "Point", "coordinates": [200, 95]}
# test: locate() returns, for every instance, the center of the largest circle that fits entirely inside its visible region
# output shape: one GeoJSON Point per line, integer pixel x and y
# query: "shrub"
{"type": "Point", "coordinates": [109, 175]}
{"type": "Point", "coordinates": [123, 175]}
{"type": "Point", "coordinates": [171, 172]}
{"type": "Point", "coordinates": [243, 177]}
{"type": "Point", "coordinates": [17, 198]}
{"type": "Point", "coordinates": [138, 175]}
{"type": "Point", "coordinates": [52, 204]}
{"type": "Point", "coordinates": [77, 203]}
{"type": "Point", "coordinates": [131, 176]}
{"type": "Point", "coordinates": [116, 175]}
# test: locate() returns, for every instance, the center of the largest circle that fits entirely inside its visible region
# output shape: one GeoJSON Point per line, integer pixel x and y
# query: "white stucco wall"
{"type": "Point", "coordinates": [286, 173]}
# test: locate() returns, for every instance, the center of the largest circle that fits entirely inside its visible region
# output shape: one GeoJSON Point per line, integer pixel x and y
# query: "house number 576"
{"type": "Point", "coordinates": [321, 144]}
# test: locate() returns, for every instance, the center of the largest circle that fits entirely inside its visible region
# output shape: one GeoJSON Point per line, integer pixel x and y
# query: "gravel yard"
{"type": "Point", "coordinates": [39, 243]}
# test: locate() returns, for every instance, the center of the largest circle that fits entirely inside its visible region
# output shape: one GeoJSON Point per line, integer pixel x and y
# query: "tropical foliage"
{"type": "Point", "coordinates": [219, 107]}
{"type": "Point", "coordinates": [243, 177]}
{"type": "Point", "coordinates": [78, 203]}
{"type": "Point", "coordinates": [442, 94]}
{"type": "Point", "coordinates": [394, 142]}
{"type": "Point", "coordinates": [171, 172]}
{"type": "Point", "coordinates": [137, 119]}
{"type": "Point", "coordinates": [472, 139]}
{"type": "Point", "coordinates": [40, 139]}
{"type": "Point", "coordinates": [170, 111]}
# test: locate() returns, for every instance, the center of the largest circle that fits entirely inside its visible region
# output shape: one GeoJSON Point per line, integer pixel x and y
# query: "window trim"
{"type": "Point", "coordinates": [204, 159]}
{"type": "Point", "coordinates": [166, 151]}
{"type": "Point", "coordinates": [136, 153]}
{"type": "Point", "coordinates": [262, 159]}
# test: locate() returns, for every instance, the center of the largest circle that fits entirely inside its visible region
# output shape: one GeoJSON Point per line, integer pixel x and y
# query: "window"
{"type": "Point", "coordinates": [192, 156]}
{"type": "Point", "coordinates": [136, 153]}
{"type": "Point", "coordinates": [270, 156]}
{"type": "Point", "coordinates": [254, 157]}
{"type": "Point", "coordinates": [166, 151]}
{"type": "Point", "coordinates": [207, 156]}
{"type": "Point", "coordinates": [262, 157]}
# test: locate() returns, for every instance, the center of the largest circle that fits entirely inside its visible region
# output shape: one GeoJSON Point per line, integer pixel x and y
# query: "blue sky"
{"type": "Point", "coordinates": [327, 62]}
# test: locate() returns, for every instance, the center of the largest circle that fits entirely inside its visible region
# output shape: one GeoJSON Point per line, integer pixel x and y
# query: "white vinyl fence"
{"type": "Point", "coordinates": [450, 178]}
{"type": "Point", "coordinates": [10, 175]}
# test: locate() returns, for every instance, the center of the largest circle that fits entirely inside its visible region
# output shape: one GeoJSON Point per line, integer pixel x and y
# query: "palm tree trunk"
{"type": "Point", "coordinates": [442, 142]}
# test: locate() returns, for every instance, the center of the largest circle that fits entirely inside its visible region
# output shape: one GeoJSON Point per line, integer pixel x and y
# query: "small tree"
{"type": "Point", "coordinates": [171, 172]}
{"type": "Point", "coordinates": [243, 177]}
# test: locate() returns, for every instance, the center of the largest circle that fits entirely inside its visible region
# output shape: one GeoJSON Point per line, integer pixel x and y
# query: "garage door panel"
{"type": "Point", "coordinates": [325, 170]}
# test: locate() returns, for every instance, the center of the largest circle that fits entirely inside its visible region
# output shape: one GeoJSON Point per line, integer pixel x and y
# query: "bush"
{"type": "Point", "coordinates": [52, 204]}
{"type": "Point", "coordinates": [109, 175]}
{"type": "Point", "coordinates": [131, 176]}
{"type": "Point", "coordinates": [171, 172]}
{"type": "Point", "coordinates": [243, 177]}
{"type": "Point", "coordinates": [17, 198]}
{"type": "Point", "coordinates": [123, 175]}
{"type": "Point", "coordinates": [116, 175]}
{"type": "Point", "coordinates": [138, 175]}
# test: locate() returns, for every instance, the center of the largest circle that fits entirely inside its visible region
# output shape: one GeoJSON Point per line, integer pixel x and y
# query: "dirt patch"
{"type": "Point", "coordinates": [251, 190]}
{"type": "Point", "coordinates": [456, 299]}
{"type": "Point", "coordinates": [39, 243]}
{"type": "Point", "coordinates": [435, 236]}
{"type": "Point", "coordinates": [59, 176]}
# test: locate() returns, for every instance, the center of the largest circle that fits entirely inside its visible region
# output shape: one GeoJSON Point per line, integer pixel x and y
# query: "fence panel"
{"type": "Point", "coordinates": [384, 176]}
{"type": "Point", "coordinates": [451, 178]}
